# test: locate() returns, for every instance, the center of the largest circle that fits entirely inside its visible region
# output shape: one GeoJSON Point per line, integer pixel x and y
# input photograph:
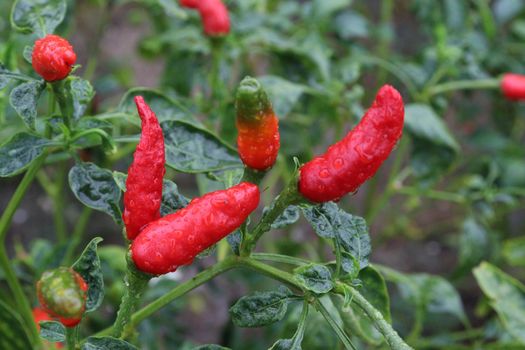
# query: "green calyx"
{"type": "Point", "coordinates": [59, 291]}
{"type": "Point", "coordinates": [252, 102]}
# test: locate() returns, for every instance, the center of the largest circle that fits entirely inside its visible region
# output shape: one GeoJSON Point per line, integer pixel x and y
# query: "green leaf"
{"type": "Point", "coordinates": [95, 188]}
{"type": "Point", "coordinates": [329, 221]}
{"type": "Point", "coordinates": [314, 277]}
{"type": "Point", "coordinates": [18, 153]}
{"type": "Point", "coordinates": [38, 16]}
{"type": "Point", "coordinates": [13, 334]}
{"type": "Point", "coordinates": [429, 296]}
{"type": "Point", "coordinates": [5, 78]}
{"type": "Point", "coordinates": [172, 200]}
{"type": "Point", "coordinates": [81, 93]}
{"type": "Point", "coordinates": [210, 347]}
{"type": "Point", "coordinates": [88, 266]}
{"type": "Point", "coordinates": [191, 149]}
{"type": "Point", "coordinates": [261, 308]}
{"type": "Point", "coordinates": [475, 244]}
{"type": "Point", "coordinates": [24, 99]}
{"type": "Point", "coordinates": [52, 331]}
{"type": "Point", "coordinates": [375, 291]}
{"type": "Point", "coordinates": [285, 344]}
{"type": "Point", "coordinates": [289, 216]}
{"type": "Point", "coordinates": [106, 343]}
{"type": "Point", "coordinates": [165, 107]}
{"type": "Point", "coordinates": [435, 148]}
{"type": "Point", "coordinates": [173, 9]}
{"type": "Point", "coordinates": [93, 123]}
{"type": "Point", "coordinates": [28, 54]}
{"type": "Point", "coordinates": [514, 251]}
{"type": "Point", "coordinates": [234, 239]}
{"type": "Point", "coordinates": [506, 295]}
{"type": "Point", "coordinates": [284, 94]}
{"type": "Point", "coordinates": [423, 122]}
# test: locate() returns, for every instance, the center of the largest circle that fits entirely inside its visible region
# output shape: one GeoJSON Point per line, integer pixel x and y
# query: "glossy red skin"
{"type": "Point", "coordinates": [143, 195]}
{"type": "Point", "coordinates": [53, 57]}
{"type": "Point", "coordinates": [192, 4]}
{"type": "Point", "coordinates": [214, 15]}
{"type": "Point", "coordinates": [258, 141]}
{"type": "Point", "coordinates": [66, 321]}
{"type": "Point", "coordinates": [513, 86]}
{"type": "Point", "coordinates": [40, 315]}
{"type": "Point", "coordinates": [347, 164]}
{"type": "Point", "coordinates": [176, 239]}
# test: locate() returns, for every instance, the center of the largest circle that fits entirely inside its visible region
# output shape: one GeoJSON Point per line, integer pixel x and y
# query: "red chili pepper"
{"type": "Point", "coordinates": [214, 15]}
{"type": "Point", "coordinates": [258, 127]}
{"type": "Point", "coordinates": [62, 294]}
{"type": "Point", "coordinates": [39, 315]}
{"type": "Point", "coordinates": [347, 164]}
{"type": "Point", "coordinates": [513, 86]}
{"type": "Point", "coordinates": [143, 195]}
{"type": "Point", "coordinates": [53, 57]}
{"type": "Point", "coordinates": [192, 4]}
{"type": "Point", "coordinates": [176, 239]}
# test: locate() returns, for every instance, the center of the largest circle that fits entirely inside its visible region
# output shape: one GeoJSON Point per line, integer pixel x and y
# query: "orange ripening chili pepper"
{"type": "Point", "coordinates": [258, 137]}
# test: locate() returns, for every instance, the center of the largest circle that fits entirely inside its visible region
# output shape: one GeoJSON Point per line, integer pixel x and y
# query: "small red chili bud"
{"type": "Point", "coordinates": [53, 57]}
{"type": "Point", "coordinates": [62, 294]}
{"type": "Point", "coordinates": [513, 86]}
{"type": "Point", "coordinates": [347, 164]}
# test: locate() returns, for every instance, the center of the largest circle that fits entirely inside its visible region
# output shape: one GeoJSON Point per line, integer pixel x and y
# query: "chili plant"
{"type": "Point", "coordinates": [258, 135]}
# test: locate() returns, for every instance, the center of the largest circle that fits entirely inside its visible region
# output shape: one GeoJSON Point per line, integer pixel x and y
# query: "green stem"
{"type": "Point", "coordinates": [76, 237]}
{"type": "Point", "coordinates": [58, 204]}
{"type": "Point", "coordinates": [178, 291]}
{"type": "Point", "coordinates": [270, 271]}
{"type": "Point", "coordinates": [492, 83]}
{"type": "Point", "coordinates": [5, 222]}
{"type": "Point", "coordinates": [288, 196]}
{"type": "Point", "coordinates": [432, 194]}
{"type": "Point", "coordinates": [278, 258]}
{"type": "Point", "coordinates": [59, 91]}
{"type": "Point", "coordinates": [392, 338]}
{"type": "Point", "coordinates": [71, 338]}
{"type": "Point", "coordinates": [135, 283]}
{"type": "Point", "coordinates": [335, 326]}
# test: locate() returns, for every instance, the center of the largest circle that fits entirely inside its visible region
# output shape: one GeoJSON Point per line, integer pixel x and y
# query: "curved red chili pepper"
{"type": "Point", "coordinates": [347, 164]}
{"type": "Point", "coordinates": [176, 239]}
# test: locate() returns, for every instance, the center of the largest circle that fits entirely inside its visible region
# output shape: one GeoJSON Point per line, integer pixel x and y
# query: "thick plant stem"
{"type": "Point", "coordinates": [71, 338]}
{"type": "Point", "coordinates": [135, 283]}
{"type": "Point", "coordinates": [392, 338]}
{"type": "Point", "coordinates": [288, 196]}
{"type": "Point", "coordinates": [5, 221]}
